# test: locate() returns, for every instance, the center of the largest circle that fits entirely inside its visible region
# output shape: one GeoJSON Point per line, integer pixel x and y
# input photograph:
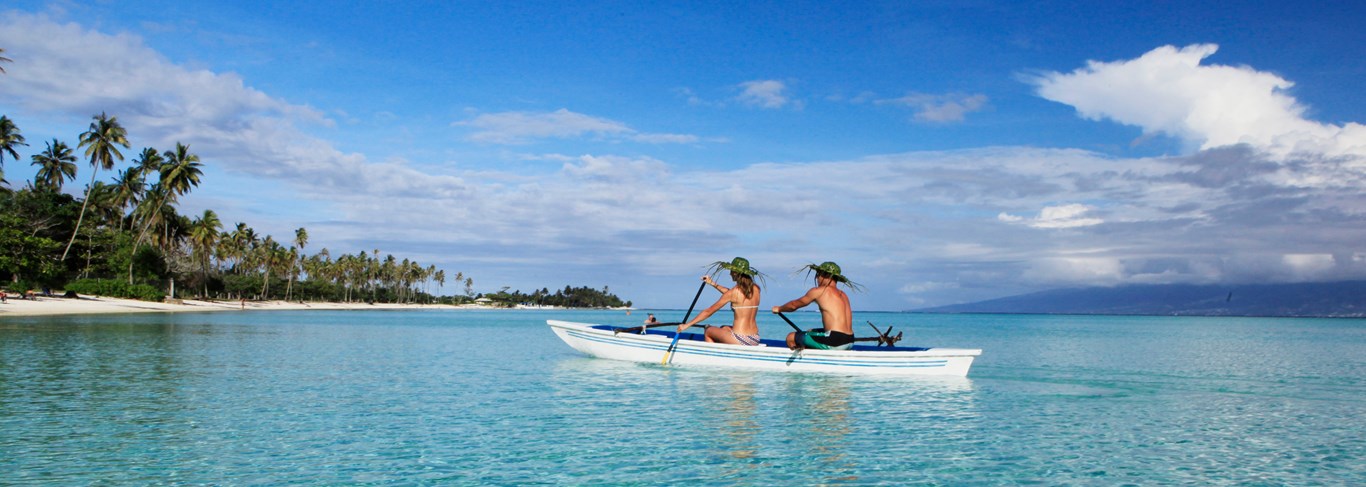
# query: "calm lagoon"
{"type": "Point", "coordinates": [492, 397]}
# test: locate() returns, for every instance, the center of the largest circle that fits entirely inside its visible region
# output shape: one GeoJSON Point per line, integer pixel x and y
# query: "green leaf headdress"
{"type": "Point", "coordinates": [738, 265]}
{"type": "Point", "coordinates": [833, 270]}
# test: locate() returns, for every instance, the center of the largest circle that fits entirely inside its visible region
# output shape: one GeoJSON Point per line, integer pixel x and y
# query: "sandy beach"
{"type": "Point", "coordinates": [45, 306]}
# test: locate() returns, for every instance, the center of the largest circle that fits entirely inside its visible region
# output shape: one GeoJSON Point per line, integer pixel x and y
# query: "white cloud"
{"type": "Point", "coordinates": [525, 127]}
{"type": "Point", "coordinates": [520, 127]}
{"type": "Point", "coordinates": [1168, 91]}
{"type": "Point", "coordinates": [947, 223]}
{"type": "Point", "coordinates": [666, 138]}
{"type": "Point", "coordinates": [1065, 216]}
{"type": "Point", "coordinates": [765, 94]}
{"type": "Point", "coordinates": [1089, 271]}
{"type": "Point", "coordinates": [1308, 266]}
{"type": "Point", "coordinates": [940, 108]}
{"type": "Point", "coordinates": [76, 72]}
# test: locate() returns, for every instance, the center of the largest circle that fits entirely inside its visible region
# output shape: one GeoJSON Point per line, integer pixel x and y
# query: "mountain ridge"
{"type": "Point", "coordinates": [1342, 299]}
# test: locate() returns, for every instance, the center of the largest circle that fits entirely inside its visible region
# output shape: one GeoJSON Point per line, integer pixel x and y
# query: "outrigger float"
{"type": "Point", "coordinates": [641, 344]}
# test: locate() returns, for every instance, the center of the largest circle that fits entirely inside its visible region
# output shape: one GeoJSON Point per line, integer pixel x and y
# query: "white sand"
{"type": "Point", "coordinates": [102, 305]}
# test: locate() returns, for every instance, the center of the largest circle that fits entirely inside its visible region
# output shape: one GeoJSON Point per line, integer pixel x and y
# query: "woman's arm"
{"type": "Point", "coordinates": [706, 313]}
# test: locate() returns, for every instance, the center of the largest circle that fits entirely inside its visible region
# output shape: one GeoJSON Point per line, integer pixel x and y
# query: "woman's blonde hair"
{"type": "Point", "coordinates": [744, 282]}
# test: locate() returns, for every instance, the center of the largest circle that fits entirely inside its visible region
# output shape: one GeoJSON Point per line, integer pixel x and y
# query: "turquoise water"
{"type": "Point", "coordinates": [493, 397]}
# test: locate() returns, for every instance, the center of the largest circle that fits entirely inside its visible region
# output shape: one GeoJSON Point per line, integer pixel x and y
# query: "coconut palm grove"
{"type": "Point", "coordinates": [124, 237]}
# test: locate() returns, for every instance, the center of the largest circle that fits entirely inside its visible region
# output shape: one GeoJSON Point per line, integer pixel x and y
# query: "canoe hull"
{"type": "Point", "coordinates": [600, 341]}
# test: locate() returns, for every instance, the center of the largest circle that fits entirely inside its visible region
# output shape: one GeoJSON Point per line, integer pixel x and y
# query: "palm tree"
{"type": "Point", "coordinates": [203, 239]}
{"type": "Point", "coordinates": [388, 271]}
{"type": "Point", "coordinates": [429, 277]}
{"type": "Point", "coordinates": [317, 267]}
{"type": "Point", "coordinates": [135, 178]}
{"type": "Point", "coordinates": [4, 59]}
{"type": "Point", "coordinates": [243, 240]}
{"type": "Point", "coordinates": [149, 161]}
{"type": "Point", "coordinates": [103, 208]}
{"type": "Point", "coordinates": [56, 165]}
{"type": "Point", "coordinates": [101, 143]}
{"type": "Point", "coordinates": [179, 173]}
{"type": "Point", "coordinates": [374, 285]}
{"type": "Point", "coordinates": [129, 189]}
{"type": "Point", "coordinates": [103, 202]}
{"type": "Point", "coordinates": [300, 239]}
{"type": "Point", "coordinates": [271, 255]}
{"type": "Point", "coordinates": [181, 170]}
{"type": "Point", "coordinates": [9, 138]}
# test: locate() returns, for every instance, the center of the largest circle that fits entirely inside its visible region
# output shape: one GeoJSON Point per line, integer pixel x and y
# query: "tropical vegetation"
{"type": "Point", "coordinates": [127, 238]}
{"type": "Point", "coordinates": [569, 297]}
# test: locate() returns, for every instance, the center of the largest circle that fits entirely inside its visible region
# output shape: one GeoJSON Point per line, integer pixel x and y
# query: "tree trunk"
{"type": "Point", "coordinates": [81, 218]}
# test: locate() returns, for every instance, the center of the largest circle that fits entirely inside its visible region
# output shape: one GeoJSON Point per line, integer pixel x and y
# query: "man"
{"type": "Point", "coordinates": [836, 315]}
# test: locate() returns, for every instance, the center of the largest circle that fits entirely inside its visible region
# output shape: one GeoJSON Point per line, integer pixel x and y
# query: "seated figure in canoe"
{"type": "Point", "coordinates": [744, 304]}
{"type": "Point", "coordinates": [836, 315]}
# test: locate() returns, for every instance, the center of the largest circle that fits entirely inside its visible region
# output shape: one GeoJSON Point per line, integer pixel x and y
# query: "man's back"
{"type": "Point", "coordinates": [836, 313]}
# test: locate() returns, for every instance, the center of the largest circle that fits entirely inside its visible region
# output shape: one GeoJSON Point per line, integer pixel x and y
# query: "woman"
{"type": "Point", "coordinates": [744, 304]}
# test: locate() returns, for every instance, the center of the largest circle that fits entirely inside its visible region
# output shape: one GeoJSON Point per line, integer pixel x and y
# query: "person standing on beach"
{"type": "Point", "coordinates": [837, 316]}
{"type": "Point", "coordinates": [744, 305]}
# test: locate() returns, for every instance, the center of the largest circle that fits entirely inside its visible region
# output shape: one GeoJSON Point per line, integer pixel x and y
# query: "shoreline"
{"type": "Point", "coordinates": [88, 305]}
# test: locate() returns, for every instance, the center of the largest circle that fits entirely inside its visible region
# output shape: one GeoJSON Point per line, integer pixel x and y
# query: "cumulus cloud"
{"type": "Point", "coordinates": [940, 108]}
{"type": "Point", "coordinates": [525, 127]}
{"type": "Point", "coordinates": [76, 72]}
{"type": "Point", "coordinates": [765, 94]}
{"type": "Point", "coordinates": [1169, 91]}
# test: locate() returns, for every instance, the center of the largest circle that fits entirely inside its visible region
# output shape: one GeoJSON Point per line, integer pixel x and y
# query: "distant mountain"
{"type": "Point", "coordinates": [1330, 299]}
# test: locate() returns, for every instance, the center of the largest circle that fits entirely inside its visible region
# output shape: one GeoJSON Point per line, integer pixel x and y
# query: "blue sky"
{"type": "Point", "coordinates": [940, 152]}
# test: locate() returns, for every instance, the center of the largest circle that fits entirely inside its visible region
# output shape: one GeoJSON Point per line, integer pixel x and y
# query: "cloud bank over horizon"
{"type": "Point", "coordinates": [1263, 194]}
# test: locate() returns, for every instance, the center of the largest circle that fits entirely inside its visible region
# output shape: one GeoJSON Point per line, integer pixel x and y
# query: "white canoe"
{"type": "Point", "coordinates": [601, 341]}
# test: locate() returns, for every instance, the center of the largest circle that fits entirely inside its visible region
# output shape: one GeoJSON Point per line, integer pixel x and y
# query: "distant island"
{"type": "Point", "coordinates": [569, 297]}
{"type": "Point", "coordinates": [1346, 299]}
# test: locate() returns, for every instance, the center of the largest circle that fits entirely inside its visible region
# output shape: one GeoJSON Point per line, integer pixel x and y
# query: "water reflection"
{"type": "Point", "coordinates": [822, 424]}
{"type": "Point", "coordinates": [740, 418]}
{"type": "Point", "coordinates": [728, 425]}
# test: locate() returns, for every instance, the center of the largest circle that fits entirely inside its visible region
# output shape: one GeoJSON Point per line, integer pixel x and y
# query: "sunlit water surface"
{"type": "Point", "coordinates": [493, 397]}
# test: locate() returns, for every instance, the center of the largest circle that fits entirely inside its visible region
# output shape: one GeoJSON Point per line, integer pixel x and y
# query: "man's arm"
{"type": "Point", "coordinates": [798, 303]}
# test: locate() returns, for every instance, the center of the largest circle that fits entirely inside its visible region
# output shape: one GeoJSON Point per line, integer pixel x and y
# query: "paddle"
{"type": "Point", "coordinates": [789, 322]}
{"type": "Point", "coordinates": [882, 338]}
{"type": "Point", "coordinates": [670, 350]}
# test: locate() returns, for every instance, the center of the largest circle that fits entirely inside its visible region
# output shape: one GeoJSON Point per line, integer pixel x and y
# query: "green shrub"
{"type": "Point", "coordinates": [116, 288]}
{"type": "Point", "coordinates": [18, 287]}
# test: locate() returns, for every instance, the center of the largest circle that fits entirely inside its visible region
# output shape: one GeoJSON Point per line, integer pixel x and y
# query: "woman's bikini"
{"type": "Point", "coordinates": [750, 340]}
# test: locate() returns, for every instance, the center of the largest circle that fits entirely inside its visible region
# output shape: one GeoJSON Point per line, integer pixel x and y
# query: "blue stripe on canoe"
{"type": "Point", "coordinates": [759, 358]}
{"type": "Point", "coordinates": [783, 343]}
